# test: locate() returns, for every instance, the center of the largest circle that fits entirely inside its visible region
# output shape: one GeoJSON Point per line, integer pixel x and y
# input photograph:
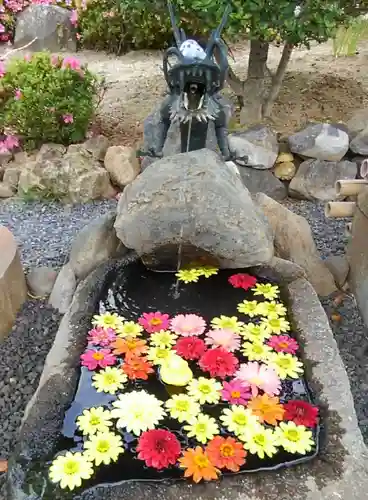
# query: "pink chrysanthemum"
{"type": "Point", "coordinates": [227, 339]}
{"type": "Point", "coordinates": [190, 348]}
{"type": "Point", "coordinates": [154, 322]}
{"type": "Point", "coordinates": [219, 363]}
{"type": "Point", "coordinates": [93, 359]}
{"type": "Point", "coordinates": [259, 377]}
{"type": "Point", "coordinates": [283, 343]}
{"type": "Point", "coordinates": [188, 325]}
{"type": "Point", "coordinates": [242, 280]}
{"type": "Point", "coordinates": [101, 336]}
{"type": "Point", "coordinates": [236, 392]}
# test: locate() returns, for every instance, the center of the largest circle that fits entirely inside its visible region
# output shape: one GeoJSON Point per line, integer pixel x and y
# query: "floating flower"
{"type": "Point", "coordinates": [197, 464]}
{"type": "Point", "coordinates": [207, 271]}
{"type": "Point", "coordinates": [182, 407]}
{"type": "Point", "coordinates": [268, 291]}
{"type": "Point", "coordinates": [294, 438]}
{"type": "Point", "coordinates": [188, 325]}
{"type": "Point", "coordinates": [301, 413]}
{"type": "Point", "coordinates": [94, 420]}
{"type": "Point", "coordinates": [202, 428]}
{"type": "Point", "coordinates": [267, 409]}
{"type": "Point", "coordinates": [129, 329]}
{"type": "Point", "coordinates": [70, 469]}
{"type": "Point", "coordinates": [236, 392]}
{"type": "Point", "coordinates": [275, 325]}
{"type": "Point", "coordinates": [159, 448]}
{"type": "Point", "coordinates": [249, 307]}
{"type": "Point", "coordinates": [219, 362]}
{"type": "Point", "coordinates": [254, 333]}
{"type": "Point", "coordinates": [137, 367]}
{"type": "Point", "coordinates": [188, 275]}
{"type": "Point", "coordinates": [285, 365]}
{"type": "Point", "coordinates": [242, 280]}
{"type": "Point", "coordinates": [259, 376]}
{"type": "Point", "coordinates": [260, 441]}
{"type": "Point", "coordinates": [205, 390]}
{"type": "Point", "coordinates": [237, 419]}
{"type": "Point", "coordinates": [154, 322]}
{"type": "Point", "coordinates": [104, 448]}
{"type": "Point", "coordinates": [283, 343]}
{"type": "Point", "coordinates": [137, 411]}
{"type": "Point", "coordinates": [227, 339]}
{"type": "Point", "coordinates": [226, 453]}
{"type": "Point", "coordinates": [129, 346]}
{"type": "Point", "coordinates": [163, 338]}
{"type": "Point", "coordinates": [191, 348]}
{"type": "Point", "coordinates": [108, 320]}
{"type": "Point", "coordinates": [93, 359]}
{"type": "Point", "coordinates": [227, 323]}
{"type": "Point", "coordinates": [101, 336]}
{"type": "Point", "coordinates": [157, 355]}
{"type": "Point", "coordinates": [271, 309]}
{"type": "Point", "coordinates": [110, 380]}
{"type": "Point", "coordinates": [256, 351]}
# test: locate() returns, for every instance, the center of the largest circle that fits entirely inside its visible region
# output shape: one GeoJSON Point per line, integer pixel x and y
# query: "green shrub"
{"type": "Point", "coordinates": [46, 98]}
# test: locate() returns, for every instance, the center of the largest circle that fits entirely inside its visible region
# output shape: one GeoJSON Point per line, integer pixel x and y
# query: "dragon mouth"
{"type": "Point", "coordinates": [193, 96]}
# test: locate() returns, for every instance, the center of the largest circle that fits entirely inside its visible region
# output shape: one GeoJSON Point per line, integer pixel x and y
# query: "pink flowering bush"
{"type": "Point", "coordinates": [45, 98]}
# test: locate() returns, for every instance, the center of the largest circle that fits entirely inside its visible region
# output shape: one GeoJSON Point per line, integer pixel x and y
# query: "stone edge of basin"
{"type": "Point", "coordinates": [339, 472]}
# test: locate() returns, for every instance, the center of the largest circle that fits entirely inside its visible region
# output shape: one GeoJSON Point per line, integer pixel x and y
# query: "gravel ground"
{"type": "Point", "coordinates": [45, 232]}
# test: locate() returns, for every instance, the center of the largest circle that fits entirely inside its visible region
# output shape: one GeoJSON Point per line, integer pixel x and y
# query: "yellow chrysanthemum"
{"type": "Point", "coordinates": [70, 469]}
{"type": "Point", "coordinates": [275, 326]}
{"type": "Point", "coordinates": [182, 407]}
{"type": "Point", "coordinates": [227, 323]}
{"type": "Point", "coordinates": [205, 390]}
{"type": "Point", "coordinates": [259, 441]}
{"type": "Point", "coordinates": [157, 355]}
{"type": "Point", "coordinates": [94, 420]}
{"type": "Point", "coordinates": [108, 320]}
{"type": "Point", "coordinates": [254, 333]}
{"type": "Point", "coordinates": [188, 275]}
{"type": "Point", "coordinates": [109, 380]}
{"type": "Point", "coordinates": [271, 309]}
{"type": "Point", "coordinates": [202, 428]}
{"type": "Point", "coordinates": [164, 339]}
{"type": "Point", "coordinates": [268, 291]}
{"type": "Point", "coordinates": [238, 418]}
{"type": "Point", "coordinates": [129, 329]}
{"type": "Point", "coordinates": [207, 271]}
{"type": "Point", "coordinates": [285, 365]}
{"type": "Point", "coordinates": [249, 307]}
{"type": "Point", "coordinates": [256, 351]}
{"type": "Point", "coordinates": [104, 448]}
{"type": "Point", "coordinates": [294, 438]}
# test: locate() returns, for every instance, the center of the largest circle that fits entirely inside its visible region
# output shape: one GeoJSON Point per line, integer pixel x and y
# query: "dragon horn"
{"type": "Point", "coordinates": [216, 35]}
{"type": "Point", "coordinates": [173, 23]}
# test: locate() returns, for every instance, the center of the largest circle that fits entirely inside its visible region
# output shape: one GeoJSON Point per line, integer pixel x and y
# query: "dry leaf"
{"type": "Point", "coordinates": [336, 317]}
{"type": "Point", "coordinates": [3, 465]}
{"type": "Point", "coordinates": [339, 299]}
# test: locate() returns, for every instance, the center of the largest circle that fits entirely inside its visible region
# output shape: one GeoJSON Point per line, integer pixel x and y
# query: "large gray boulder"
{"type": "Point", "coordinates": [193, 201]}
{"type": "Point", "coordinates": [263, 181]}
{"type": "Point", "coordinates": [49, 24]}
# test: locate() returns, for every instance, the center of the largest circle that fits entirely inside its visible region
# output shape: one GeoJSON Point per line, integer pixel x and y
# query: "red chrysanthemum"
{"type": "Point", "coordinates": [158, 448]}
{"type": "Point", "coordinates": [219, 362]}
{"type": "Point", "coordinates": [301, 413]}
{"type": "Point", "coordinates": [190, 347]}
{"type": "Point", "coordinates": [242, 280]}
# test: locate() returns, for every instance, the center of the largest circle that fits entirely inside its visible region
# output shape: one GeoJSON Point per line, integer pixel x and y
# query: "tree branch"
{"type": "Point", "coordinates": [278, 79]}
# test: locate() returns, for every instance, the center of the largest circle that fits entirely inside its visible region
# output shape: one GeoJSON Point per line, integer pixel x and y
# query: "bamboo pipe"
{"type": "Point", "coordinates": [364, 169]}
{"type": "Point", "coordinates": [340, 209]}
{"type": "Point", "coordinates": [350, 187]}
{"type": "Point", "coordinates": [348, 228]}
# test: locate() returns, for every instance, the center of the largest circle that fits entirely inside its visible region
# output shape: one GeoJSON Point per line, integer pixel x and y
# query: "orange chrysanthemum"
{"type": "Point", "coordinates": [129, 346]}
{"type": "Point", "coordinates": [197, 464]}
{"type": "Point", "coordinates": [137, 367]}
{"type": "Point", "coordinates": [267, 409]}
{"type": "Point", "coordinates": [226, 453]}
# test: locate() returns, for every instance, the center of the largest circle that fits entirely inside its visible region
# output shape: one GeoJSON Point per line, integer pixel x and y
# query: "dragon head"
{"type": "Point", "coordinates": [195, 76]}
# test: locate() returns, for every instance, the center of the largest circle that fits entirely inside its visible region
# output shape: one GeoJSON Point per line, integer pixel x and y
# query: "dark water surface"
{"type": "Point", "coordinates": [131, 292]}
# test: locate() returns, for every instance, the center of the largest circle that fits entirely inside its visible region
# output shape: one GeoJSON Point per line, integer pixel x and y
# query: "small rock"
{"type": "Point", "coordinates": [50, 151]}
{"type": "Point", "coordinates": [285, 157]}
{"type": "Point", "coordinates": [315, 179]}
{"type": "Point", "coordinates": [5, 190]}
{"type": "Point", "coordinates": [358, 122]}
{"type": "Point", "coordinates": [339, 268]}
{"type": "Point", "coordinates": [63, 291]}
{"type": "Point", "coordinates": [285, 171]}
{"type": "Point", "coordinates": [5, 158]}
{"type": "Point", "coordinates": [11, 177]}
{"type": "Point", "coordinates": [359, 145]}
{"type": "Point", "coordinates": [262, 181]}
{"type": "Point", "coordinates": [258, 144]}
{"type": "Point", "coordinates": [41, 280]}
{"type": "Point", "coordinates": [97, 146]}
{"type": "Point", "coordinates": [322, 141]}
{"type": "Point", "coordinates": [120, 164]}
